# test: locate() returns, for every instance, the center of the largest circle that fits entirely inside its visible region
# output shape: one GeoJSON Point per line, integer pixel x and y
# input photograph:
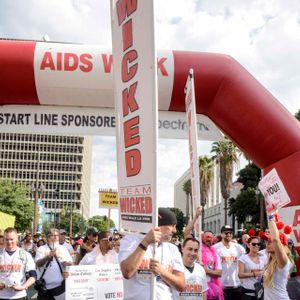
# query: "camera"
{"type": "Point", "coordinates": [40, 286]}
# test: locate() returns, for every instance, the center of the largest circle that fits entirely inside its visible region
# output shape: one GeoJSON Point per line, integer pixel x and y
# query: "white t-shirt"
{"type": "Point", "coordinates": [95, 257]}
{"type": "Point", "coordinates": [12, 271]}
{"type": "Point", "coordinates": [249, 266]}
{"type": "Point", "coordinates": [138, 287]}
{"type": "Point", "coordinates": [229, 258]}
{"type": "Point", "coordinates": [196, 284]}
{"type": "Point", "coordinates": [68, 246]}
{"type": "Point", "coordinates": [279, 291]}
{"type": "Point", "coordinates": [52, 276]}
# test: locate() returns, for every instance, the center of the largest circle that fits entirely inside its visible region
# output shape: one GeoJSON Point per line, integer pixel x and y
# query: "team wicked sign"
{"type": "Point", "coordinates": [136, 105]}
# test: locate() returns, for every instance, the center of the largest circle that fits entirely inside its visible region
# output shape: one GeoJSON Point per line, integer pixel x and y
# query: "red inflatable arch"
{"type": "Point", "coordinates": [225, 92]}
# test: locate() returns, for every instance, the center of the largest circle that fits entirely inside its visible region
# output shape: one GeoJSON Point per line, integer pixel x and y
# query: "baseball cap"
{"type": "Point", "coordinates": [62, 231]}
{"type": "Point", "coordinates": [226, 228]}
{"type": "Point", "coordinates": [166, 217]}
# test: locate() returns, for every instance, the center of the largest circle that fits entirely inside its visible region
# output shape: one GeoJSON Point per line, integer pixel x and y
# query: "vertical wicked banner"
{"type": "Point", "coordinates": [193, 153]}
{"type": "Point", "coordinates": [135, 92]}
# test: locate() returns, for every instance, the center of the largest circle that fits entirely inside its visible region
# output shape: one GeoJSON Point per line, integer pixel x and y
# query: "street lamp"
{"type": "Point", "coordinates": [37, 190]}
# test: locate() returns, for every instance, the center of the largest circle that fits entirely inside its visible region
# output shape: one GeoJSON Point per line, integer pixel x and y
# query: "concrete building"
{"type": "Point", "coordinates": [214, 214]}
{"type": "Point", "coordinates": [60, 166]}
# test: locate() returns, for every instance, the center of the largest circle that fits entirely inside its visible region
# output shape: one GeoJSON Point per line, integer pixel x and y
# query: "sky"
{"type": "Point", "coordinates": [263, 36]}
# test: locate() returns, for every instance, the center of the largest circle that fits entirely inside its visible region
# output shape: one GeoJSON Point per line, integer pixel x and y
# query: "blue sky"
{"type": "Point", "coordinates": [264, 36]}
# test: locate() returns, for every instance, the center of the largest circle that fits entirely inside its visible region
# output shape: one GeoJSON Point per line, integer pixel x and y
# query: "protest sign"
{"type": "Point", "coordinates": [273, 190]}
{"type": "Point", "coordinates": [94, 282]}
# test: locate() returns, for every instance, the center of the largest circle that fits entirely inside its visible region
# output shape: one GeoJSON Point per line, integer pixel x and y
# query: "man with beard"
{"type": "Point", "coordinates": [137, 262]}
{"type": "Point", "coordinates": [103, 253]}
{"type": "Point", "coordinates": [212, 266]}
{"type": "Point", "coordinates": [196, 285]}
{"type": "Point", "coordinates": [229, 253]}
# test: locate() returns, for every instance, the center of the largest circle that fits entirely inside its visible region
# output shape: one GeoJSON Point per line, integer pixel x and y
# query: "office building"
{"type": "Point", "coordinates": [59, 166]}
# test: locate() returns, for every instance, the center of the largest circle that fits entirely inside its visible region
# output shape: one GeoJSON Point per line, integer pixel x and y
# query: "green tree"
{"type": "Point", "coordinates": [245, 206]}
{"type": "Point", "coordinates": [187, 188]}
{"type": "Point", "coordinates": [181, 221]}
{"type": "Point", "coordinates": [78, 222]}
{"type": "Point", "coordinates": [297, 115]}
{"type": "Point", "coordinates": [206, 165]}
{"type": "Point", "coordinates": [226, 155]}
{"type": "Point", "coordinates": [101, 223]}
{"type": "Point", "coordinates": [14, 201]}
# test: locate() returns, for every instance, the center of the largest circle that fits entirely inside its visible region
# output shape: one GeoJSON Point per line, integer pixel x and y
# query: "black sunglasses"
{"type": "Point", "coordinates": [227, 232]}
{"type": "Point", "coordinates": [255, 244]}
{"type": "Point", "coordinates": [110, 239]}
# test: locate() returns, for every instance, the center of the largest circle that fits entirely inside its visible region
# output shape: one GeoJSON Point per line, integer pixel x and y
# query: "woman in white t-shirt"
{"type": "Point", "coordinates": [251, 268]}
{"type": "Point", "coordinates": [279, 264]}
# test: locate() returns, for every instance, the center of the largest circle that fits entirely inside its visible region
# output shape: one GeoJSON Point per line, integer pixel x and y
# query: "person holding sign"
{"type": "Point", "coordinates": [103, 253]}
{"type": "Point", "coordinates": [137, 262]}
{"type": "Point", "coordinates": [196, 283]}
{"type": "Point", "coordinates": [279, 263]}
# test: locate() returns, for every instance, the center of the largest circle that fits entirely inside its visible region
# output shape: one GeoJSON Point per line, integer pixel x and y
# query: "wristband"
{"type": "Point", "coordinates": [143, 247]}
{"type": "Point", "coordinates": [271, 217]}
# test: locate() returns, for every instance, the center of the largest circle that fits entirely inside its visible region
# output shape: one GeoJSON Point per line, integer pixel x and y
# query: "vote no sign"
{"type": "Point", "coordinates": [273, 190]}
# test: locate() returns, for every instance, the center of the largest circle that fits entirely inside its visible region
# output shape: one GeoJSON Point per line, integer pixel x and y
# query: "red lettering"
{"type": "Point", "coordinates": [297, 235]}
{"type": "Point", "coordinates": [129, 72]}
{"type": "Point", "coordinates": [47, 62]}
{"type": "Point", "coordinates": [133, 162]}
{"type": "Point", "coordinates": [59, 61]}
{"type": "Point", "coordinates": [296, 218]}
{"type": "Point", "coordinates": [131, 132]}
{"type": "Point", "coordinates": [107, 63]}
{"type": "Point", "coordinates": [161, 67]}
{"type": "Point", "coordinates": [70, 62]}
{"type": "Point", "coordinates": [125, 8]}
{"type": "Point", "coordinates": [127, 35]}
{"type": "Point", "coordinates": [129, 101]}
{"type": "Point", "coordinates": [87, 65]}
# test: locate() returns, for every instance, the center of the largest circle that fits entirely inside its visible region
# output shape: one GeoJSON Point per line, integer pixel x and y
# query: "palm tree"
{"type": "Point", "coordinates": [206, 165]}
{"type": "Point", "coordinates": [187, 188]}
{"type": "Point", "coordinates": [226, 155]}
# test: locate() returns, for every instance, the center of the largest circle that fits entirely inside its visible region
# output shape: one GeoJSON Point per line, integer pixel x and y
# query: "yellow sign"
{"type": "Point", "coordinates": [108, 200]}
{"type": "Point", "coordinates": [6, 221]}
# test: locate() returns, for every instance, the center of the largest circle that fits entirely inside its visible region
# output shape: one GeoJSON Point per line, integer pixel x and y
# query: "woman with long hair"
{"type": "Point", "coordinates": [251, 268]}
{"type": "Point", "coordinates": [279, 263]}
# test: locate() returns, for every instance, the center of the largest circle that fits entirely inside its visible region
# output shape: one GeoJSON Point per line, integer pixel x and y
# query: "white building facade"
{"type": "Point", "coordinates": [214, 213]}
{"type": "Point", "coordinates": [61, 165]}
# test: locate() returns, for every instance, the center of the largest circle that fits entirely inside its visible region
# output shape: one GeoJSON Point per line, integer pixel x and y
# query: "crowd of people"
{"type": "Point", "coordinates": [258, 266]}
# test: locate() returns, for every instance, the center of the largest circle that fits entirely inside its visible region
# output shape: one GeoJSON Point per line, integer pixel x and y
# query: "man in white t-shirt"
{"type": "Point", "coordinates": [229, 253]}
{"type": "Point", "coordinates": [137, 263]}
{"type": "Point", "coordinates": [14, 264]}
{"type": "Point", "coordinates": [56, 257]}
{"type": "Point", "coordinates": [196, 284]}
{"type": "Point", "coordinates": [103, 253]}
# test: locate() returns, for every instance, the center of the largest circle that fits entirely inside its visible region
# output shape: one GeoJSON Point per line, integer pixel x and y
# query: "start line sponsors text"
{"type": "Point", "coordinates": [94, 282]}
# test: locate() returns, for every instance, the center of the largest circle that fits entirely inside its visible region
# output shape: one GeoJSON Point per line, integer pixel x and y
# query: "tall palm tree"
{"type": "Point", "coordinates": [206, 165]}
{"type": "Point", "coordinates": [226, 155]}
{"type": "Point", "coordinates": [187, 188]}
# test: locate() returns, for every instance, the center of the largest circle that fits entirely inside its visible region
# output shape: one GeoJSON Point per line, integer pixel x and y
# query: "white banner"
{"type": "Point", "coordinates": [273, 190]}
{"type": "Point", "coordinates": [93, 121]}
{"type": "Point", "coordinates": [135, 91]}
{"type": "Point", "coordinates": [94, 282]}
{"type": "Point", "coordinates": [194, 165]}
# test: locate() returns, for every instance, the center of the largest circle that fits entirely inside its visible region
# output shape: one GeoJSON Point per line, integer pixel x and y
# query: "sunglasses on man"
{"type": "Point", "coordinates": [228, 232]}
